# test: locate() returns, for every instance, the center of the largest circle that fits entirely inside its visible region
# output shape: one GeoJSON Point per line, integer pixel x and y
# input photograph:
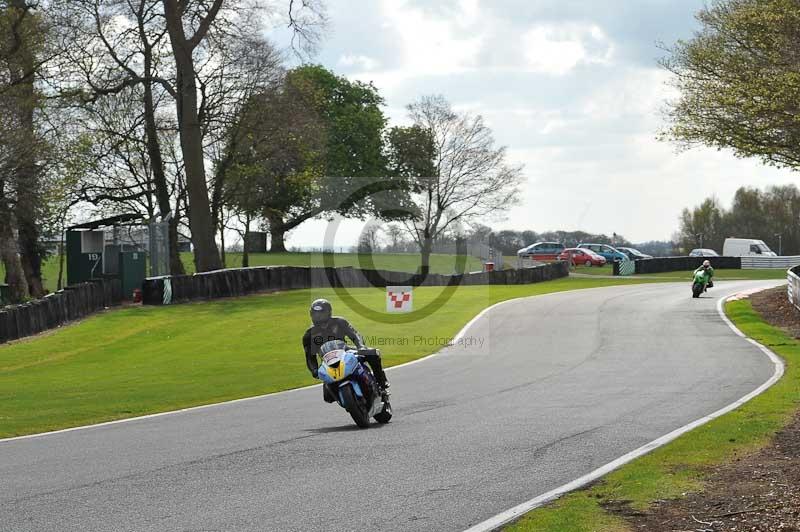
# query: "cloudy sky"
{"type": "Point", "coordinates": [571, 87]}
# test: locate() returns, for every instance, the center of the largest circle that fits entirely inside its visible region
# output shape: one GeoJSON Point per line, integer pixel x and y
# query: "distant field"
{"type": "Point", "coordinates": [49, 272]}
{"type": "Point", "coordinates": [403, 262]}
{"type": "Point", "coordinates": [687, 275]}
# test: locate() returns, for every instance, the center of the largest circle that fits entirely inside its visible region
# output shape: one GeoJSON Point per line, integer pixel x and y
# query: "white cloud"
{"type": "Point", "coordinates": [361, 61]}
{"type": "Point", "coordinates": [556, 49]}
{"type": "Point", "coordinates": [431, 45]}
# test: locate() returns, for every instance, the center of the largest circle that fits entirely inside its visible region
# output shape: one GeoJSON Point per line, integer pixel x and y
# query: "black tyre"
{"type": "Point", "coordinates": [384, 415]}
{"type": "Point", "coordinates": [355, 407]}
{"type": "Point", "coordinates": [697, 289]}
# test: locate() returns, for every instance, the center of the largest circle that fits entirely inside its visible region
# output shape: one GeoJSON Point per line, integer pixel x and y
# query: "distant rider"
{"type": "Point", "coordinates": [708, 271]}
{"type": "Point", "coordinates": [326, 327]}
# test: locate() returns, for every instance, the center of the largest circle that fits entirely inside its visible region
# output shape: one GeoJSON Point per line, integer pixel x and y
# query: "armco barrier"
{"type": "Point", "coordinates": [755, 261]}
{"type": "Point", "coordinates": [53, 310]}
{"type": "Point", "coordinates": [793, 289]}
{"type": "Point", "coordinates": [674, 264]}
{"type": "Point", "coordinates": [242, 281]}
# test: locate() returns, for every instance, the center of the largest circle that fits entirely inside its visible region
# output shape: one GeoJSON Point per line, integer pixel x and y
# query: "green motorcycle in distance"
{"type": "Point", "coordinates": [701, 281]}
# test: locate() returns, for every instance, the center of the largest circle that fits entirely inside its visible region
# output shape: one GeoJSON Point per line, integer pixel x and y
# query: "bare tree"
{"type": "Point", "coordinates": [370, 239]}
{"type": "Point", "coordinates": [123, 52]}
{"type": "Point", "coordinates": [116, 71]}
{"type": "Point", "coordinates": [472, 178]}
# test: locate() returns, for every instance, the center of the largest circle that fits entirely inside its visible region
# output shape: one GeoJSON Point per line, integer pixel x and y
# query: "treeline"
{"type": "Point", "coordinates": [771, 215]}
{"type": "Point", "coordinates": [186, 112]}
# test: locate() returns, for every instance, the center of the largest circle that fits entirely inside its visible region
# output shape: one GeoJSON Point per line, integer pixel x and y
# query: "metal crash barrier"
{"type": "Point", "coordinates": [793, 289]}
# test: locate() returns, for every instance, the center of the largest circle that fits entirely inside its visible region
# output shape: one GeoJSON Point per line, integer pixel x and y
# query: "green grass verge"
{"type": "Point", "coordinates": [680, 466]}
{"type": "Point", "coordinates": [402, 262]}
{"type": "Point", "coordinates": [140, 360]}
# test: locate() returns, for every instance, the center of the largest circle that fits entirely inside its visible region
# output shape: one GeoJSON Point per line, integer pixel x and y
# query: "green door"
{"type": "Point", "coordinates": [132, 271]}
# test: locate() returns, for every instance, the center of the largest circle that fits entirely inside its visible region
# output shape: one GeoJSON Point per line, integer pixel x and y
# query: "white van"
{"type": "Point", "coordinates": [744, 247]}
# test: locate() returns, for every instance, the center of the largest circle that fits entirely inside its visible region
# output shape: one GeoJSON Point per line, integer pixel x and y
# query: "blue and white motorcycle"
{"type": "Point", "coordinates": [347, 375]}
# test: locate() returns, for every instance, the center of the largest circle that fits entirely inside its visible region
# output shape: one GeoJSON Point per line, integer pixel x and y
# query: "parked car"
{"type": "Point", "coordinates": [541, 251]}
{"type": "Point", "coordinates": [743, 247]}
{"type": "Point", "coordinates": [703, 252]}
{"type": "Point", "coordinates": [585, 257]}
{"type": "Point", "coordinates": [634, 254]}
{"type": "Point", "coordinates": [610, 253]}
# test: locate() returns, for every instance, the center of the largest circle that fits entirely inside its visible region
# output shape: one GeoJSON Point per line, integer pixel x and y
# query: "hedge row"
{"type": "Point", "coordinates": [242, 281]}
{"type": "Point", "coordinates": [53, 310]}
{"type": "Point", "coordinates": [674, 264]}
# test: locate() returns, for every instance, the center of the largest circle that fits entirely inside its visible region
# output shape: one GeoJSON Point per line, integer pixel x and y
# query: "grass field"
{"type": "Point", "coordinates": [679, 467]}
{"type": "Point", "coordinates": [403, 262]}
{"type": "Point", "coordinates": [141, 360]}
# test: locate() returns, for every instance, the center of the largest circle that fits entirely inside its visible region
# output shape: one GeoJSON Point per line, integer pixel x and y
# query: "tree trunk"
{"type": "Point", "coordinates": [175, 263]}
{"type": "Point", "coordinates": [15, 276]}
{"type": "Point", "coordinates": [245, 250]}
{"type": "Point", "coordinates": [28, 194]}
{"type": "Point", "coordinates": [222, 243]}
{"type": "Point", "coordinates": [277, 233]}
{"type": "Point", "coordinates": [206, 255]}
{"type": "Point", "coordinates": [60, 282]}
{"type": "Point", "coordinates": [425, 255]}
{"type": "Point", "coordinates": [157, 167]}
{"type": "Point", "coordinates": [277, 239]}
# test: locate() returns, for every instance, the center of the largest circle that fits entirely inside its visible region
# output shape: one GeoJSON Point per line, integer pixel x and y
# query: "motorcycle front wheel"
{"type": "Point", "coordinates": [697, 289]}
{"type": "Point", "coordinates": [355, 407]}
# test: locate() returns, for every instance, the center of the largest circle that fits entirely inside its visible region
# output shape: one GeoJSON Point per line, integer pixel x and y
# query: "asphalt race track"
{"type": "Point", "coordinates": [562, 384]}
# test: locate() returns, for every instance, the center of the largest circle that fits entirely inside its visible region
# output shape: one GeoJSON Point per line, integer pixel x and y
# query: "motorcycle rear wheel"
{"type": "Point", "coordinates": [355, 407]}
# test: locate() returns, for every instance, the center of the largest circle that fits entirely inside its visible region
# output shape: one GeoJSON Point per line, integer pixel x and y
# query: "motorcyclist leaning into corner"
{"type": "Point", "coordinates": [326, 327]}
{"type": "Point", "coordinates": [709, 273]}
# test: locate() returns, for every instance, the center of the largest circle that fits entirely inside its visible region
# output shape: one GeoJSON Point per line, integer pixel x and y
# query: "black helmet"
{"type": "Point", "coordinates": [320, 311]}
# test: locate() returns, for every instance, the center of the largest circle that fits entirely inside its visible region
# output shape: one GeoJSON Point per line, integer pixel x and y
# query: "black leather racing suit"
{"type": "Point", "coordinates": [338, 328]}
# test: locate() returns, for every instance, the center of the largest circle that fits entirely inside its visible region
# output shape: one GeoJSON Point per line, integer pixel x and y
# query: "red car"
{"type": "Point", "coordinates": [582, 256]}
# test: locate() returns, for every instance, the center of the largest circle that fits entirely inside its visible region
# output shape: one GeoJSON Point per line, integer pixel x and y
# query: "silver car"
{"type": "Point", "coordinates": [703, 252]}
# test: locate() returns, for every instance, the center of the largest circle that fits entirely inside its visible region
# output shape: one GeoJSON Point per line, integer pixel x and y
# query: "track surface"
{"type": "Point", "coordinates": [563, 384]}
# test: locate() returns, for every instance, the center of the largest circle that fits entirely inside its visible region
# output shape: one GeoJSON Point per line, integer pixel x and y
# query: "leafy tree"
{"type": "Point", "coordinates": [411, 152]}
{"type": "Point", "coordinates": [703, 226]}
{"type": "Point", "coordinates": [310, 144]}
{"type": "Point", "coordinates": [738, 81]}
{"type": "Point", "coordinates": [276, 159]}
{"type": "Point", "coordinates": [770, 215]}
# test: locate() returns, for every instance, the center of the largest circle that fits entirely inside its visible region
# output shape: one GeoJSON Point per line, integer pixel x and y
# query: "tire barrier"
{"type": "Point", "coordinates": [793, 288]}
{"type": "Point", "coordinates": [624, 267]}
{"type": "Point", "coordinates": [674, 264]}
{"type": "Point", "coordinates": [242, 281]}
{"type": "Point", "coordinates": [53, 310]}
{"type": "Point", "coordinates": [756, 261]}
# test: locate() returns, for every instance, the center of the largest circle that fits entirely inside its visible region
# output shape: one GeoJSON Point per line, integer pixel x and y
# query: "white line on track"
{"type": "Point", "coordinates": [509, 515]}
